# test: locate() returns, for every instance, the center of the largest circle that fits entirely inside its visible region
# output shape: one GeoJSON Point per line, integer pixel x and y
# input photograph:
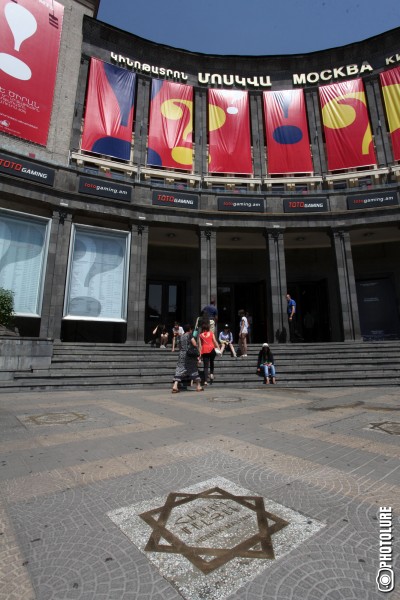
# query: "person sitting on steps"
{"type": "Point", "coordinates": [265, 363]}
{"type": "Point", "coordinates": [159, 336]}
{"type": "Point", "coordinates": [226, 341]}
{"type": "Point", "coordinates": [177, 331]}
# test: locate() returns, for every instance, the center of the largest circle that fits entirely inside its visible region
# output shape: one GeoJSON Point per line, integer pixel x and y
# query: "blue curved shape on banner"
{"type": "Point", "coordinates": [153, 158]}
{"type": "Point", "coordinates": [112, 146]}
{"type": "Point", "coordinates": [156, 86]}
{"type": "Point", "coordinates": [120, 81]}
{"type": "Point", "coordinates": [287, 134]}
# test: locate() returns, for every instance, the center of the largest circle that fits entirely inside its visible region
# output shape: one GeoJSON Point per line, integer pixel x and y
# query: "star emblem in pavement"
{"type": "Point", "coordinates": [390, 427]}
{"type": "Point", "coordinates": [256, 546]}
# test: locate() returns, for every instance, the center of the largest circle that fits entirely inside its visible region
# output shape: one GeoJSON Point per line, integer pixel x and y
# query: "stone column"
{"type": "Point", "coordinates": [200, 127]}
{"type": "Point", "coordinates": [56, 275]}
{"type": "Point", "coordinates": [141, 121]}
{"type": "Point", "coordinates": [257, 129]}
{"type": "Point", "coordinates": [276, 286]}
{"type": "Point", "coordinates": [347, 284]}
{"type": "Point", "coordinates": [137, 283]}
{"type": "Point", "coordinates": [208, 266]}
{"type": "Point", "coordinates": [381, 135]}
{"type": "Point", "coordinates": [316, 135]}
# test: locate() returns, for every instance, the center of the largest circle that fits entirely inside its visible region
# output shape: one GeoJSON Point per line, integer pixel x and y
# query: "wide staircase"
{"type": "Point", "coordinates": [97, 366]}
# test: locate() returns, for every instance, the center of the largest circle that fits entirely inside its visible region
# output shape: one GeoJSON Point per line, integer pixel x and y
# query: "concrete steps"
{"type": "Point", "coordinates": [92, 366]}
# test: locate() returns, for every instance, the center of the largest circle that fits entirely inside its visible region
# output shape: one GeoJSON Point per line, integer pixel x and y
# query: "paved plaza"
{"type": "Point", "coordinates": [253, 494]}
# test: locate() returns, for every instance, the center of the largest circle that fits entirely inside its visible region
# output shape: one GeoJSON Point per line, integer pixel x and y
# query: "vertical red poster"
{"type": "Point", "coordinates": [30, 33]}
{"type": "Point", "coordinates": [390, 82]}
{"type": "Point", "coordinates": [171, 125]}
{"type": "Point", "coordinates": [229, 132]}
{"type": "Point", "coordinates": [346, 125]}
{"type": "Point", "coordinates": [288, 143]}
{"type": "Point", "coordinates": [109, 110]}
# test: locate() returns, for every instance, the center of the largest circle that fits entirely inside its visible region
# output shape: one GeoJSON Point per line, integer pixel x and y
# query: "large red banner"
{"type": "Point", "coordinates": [229, 132]}
{"type": "Point", "coordinates": [30, 33]}
{"type": "Point", "coordinates": [346, 124]}
{"type": "Point", "coordinates": [109, 110]}
{"type": "Point", "coordinates": [390, 82]}
{"type": "Point", "coordinates": [288, 143]}
{"type": "Point", "coordinates": [171, 125]}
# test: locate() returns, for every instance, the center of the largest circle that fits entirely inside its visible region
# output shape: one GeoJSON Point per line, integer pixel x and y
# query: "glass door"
{"type": "Point", "coordinates": [247, 296]}
{"type": "Point", "coordinates": [165, 301]}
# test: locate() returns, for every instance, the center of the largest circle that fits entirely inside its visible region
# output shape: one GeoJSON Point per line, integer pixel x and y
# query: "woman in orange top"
{"type": "Point", "coordinates": [207, 346]}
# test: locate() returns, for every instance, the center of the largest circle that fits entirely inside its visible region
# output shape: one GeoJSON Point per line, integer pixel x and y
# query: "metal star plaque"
{"type": "Point", "coordinates": [214, 537]}
{"type": "Point", "coordinates": [212, 515]}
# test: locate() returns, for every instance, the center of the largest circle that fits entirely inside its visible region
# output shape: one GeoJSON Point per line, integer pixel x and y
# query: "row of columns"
{"type": "Point", "coordinates": [57, 264]}
{"type": "Point", "coordinates": [277, 283]}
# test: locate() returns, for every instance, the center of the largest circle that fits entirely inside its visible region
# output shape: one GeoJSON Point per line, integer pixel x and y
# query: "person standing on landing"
{"type": "Point", "coordinates": [291, 311]}
{"type": "Point", "coordinates": [243, 331]}
{"type": "Point", "coordinates": [211, 312]}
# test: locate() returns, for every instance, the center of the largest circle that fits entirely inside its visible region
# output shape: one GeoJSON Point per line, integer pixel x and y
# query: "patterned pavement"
{"type": "Point", "coordinates": [70, 459]}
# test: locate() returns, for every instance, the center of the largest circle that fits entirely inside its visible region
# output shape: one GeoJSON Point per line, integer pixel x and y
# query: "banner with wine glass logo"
{"type": "Point", "coordinates": [229, 132]}
{"type": "Point", "coordinates": [30, 33]}
{"type": "Point", "coordinates": [288, 143]}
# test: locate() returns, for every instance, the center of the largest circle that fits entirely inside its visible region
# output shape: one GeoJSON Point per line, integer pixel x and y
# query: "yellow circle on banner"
{"type": "Point", "coordinates": [182, 155]}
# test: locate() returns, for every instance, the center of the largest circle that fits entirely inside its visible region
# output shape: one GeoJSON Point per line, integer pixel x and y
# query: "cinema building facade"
{"type": "Point", "coordinates": [164, 177]}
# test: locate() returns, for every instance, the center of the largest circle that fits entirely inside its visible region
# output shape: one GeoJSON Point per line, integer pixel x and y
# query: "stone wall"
{"type": "Point", "coordinates": [23, 354]}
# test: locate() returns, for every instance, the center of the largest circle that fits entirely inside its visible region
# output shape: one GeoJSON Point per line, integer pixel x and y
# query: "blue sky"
{"type": "Point", "coordinates": [253, 27]}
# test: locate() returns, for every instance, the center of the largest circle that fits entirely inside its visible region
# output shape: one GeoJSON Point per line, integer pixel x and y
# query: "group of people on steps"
{"type": "Point", "coordinates": [199, 343]}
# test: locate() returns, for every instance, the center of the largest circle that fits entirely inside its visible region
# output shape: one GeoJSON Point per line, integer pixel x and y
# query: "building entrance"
{"type": "Point", "coordinates": [164, 305]}
{"type": "Point", "coordinates": [250, 297]}
{"type": "Point", "coordinates": [312, 303]}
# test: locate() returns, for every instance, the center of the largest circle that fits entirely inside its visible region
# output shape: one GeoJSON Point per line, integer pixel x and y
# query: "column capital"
{"type": "Point", "coordinates": [62, 214]}
{"type": "Point", "coordinates": [139, 228]}
{"type": "Point", "coordinates": [339, 229]}
{"type": "Point", "coordinates": [273, 232]}
{"type": "Point", "coordinates": [206, 232]}
{"type": "Point", "coordinates": [339, 232]}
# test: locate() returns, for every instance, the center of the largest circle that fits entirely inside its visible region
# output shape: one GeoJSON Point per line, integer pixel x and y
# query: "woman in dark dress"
{"type": "Point", "coordinates": [187, 365]}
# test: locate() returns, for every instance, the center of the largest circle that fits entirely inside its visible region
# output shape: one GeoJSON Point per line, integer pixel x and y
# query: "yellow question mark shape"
{"type": "Point", "coordinates": [337, 116]}
{"type": "Point", "coordinates": [391, 94]}
{"type": "Point", "coordinates": [172, 109]}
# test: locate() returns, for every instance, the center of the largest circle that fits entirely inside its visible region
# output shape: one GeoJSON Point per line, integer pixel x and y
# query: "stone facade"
{"type": "Point", "coordinates": [180, 257]}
